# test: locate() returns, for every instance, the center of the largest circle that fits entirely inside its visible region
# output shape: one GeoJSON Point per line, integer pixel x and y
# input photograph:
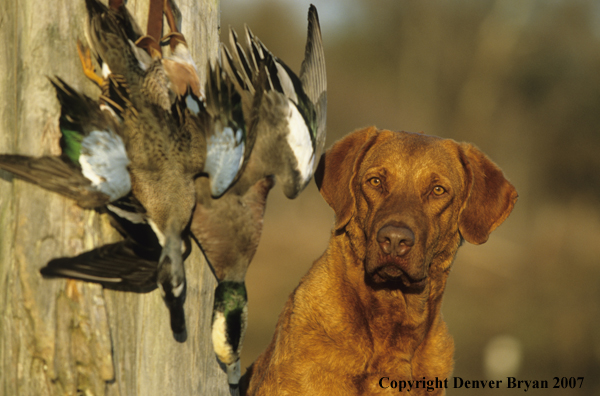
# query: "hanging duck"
{"type": "Point", "coordinates": [291, 113]}
{"type": "Point", "coordinates": [289, 119]}
{"type": "Point", "coordinates": [163, 139]}
{"type": "Point", "coordinates": [228, 226]}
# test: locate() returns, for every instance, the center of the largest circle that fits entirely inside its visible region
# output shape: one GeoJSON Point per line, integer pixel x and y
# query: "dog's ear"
{"type": "Point", "coordinates": [491, 197]}
{"type": "Point", "coordinates": [335, 173]}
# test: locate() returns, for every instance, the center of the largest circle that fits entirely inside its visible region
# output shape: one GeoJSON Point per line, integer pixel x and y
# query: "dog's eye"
{"type": "Point", "coordinates": [438, 190]}
{"type": "Point", "coordinates": [375, 181]}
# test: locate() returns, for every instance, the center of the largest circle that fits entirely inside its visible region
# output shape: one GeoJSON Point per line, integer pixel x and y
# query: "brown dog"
{"type": "Point", "coordinates": [366, 318]}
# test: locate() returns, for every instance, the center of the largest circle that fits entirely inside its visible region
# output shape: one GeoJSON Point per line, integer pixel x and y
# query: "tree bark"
{"type": "Point", "coordinates": [69, 338]}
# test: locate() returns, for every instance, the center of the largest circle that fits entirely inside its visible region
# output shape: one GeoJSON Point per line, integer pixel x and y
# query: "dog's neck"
{"type": "Point", "coordinates": [402, 318]}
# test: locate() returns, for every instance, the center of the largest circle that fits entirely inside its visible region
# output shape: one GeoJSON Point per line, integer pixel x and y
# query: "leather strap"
{"type": "Point", "coordinates": [155, 19]}
{"type": "Point", "coordinates": [115, 4]}
{"type": "Point", "coordinates": [170, 17]}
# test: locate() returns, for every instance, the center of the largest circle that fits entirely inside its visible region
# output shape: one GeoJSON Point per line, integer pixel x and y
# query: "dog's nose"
{"type": "Point", "coordinates": [395, 241]}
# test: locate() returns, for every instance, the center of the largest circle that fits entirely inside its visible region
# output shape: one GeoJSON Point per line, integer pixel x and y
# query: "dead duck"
{"type": "Point", "coordinates": [164, 159]}
{"type": "Point", "coordinates": [291, 113]}
{"type": "Point", "coordinates": [288, 117]}
{"type": "Point", "coordinates": [135, 260]}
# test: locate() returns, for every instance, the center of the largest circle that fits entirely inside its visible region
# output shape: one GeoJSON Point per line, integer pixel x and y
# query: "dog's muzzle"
{"type": "Point", "coordinates": [394, 260]}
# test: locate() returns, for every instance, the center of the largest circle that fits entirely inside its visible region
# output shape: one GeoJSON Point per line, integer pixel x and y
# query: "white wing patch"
{"type": "Point", "coordinates": [104, 162]}
{"type": "Point", "coordinates": [299, 141]}
{"type": "Point", "coordinates": [224, 156]}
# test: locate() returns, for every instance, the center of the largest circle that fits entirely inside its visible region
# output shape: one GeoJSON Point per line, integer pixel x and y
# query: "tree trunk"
{"type": "Point", "coordinates": [69, 338]}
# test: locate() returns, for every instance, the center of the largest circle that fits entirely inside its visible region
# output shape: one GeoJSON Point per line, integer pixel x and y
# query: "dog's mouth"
{"type": "Point", "coordinates": [398, 270]}
{"type": "Point", "coordinates": [391, 273]}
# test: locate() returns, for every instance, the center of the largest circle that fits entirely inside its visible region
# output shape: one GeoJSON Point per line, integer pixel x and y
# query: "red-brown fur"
{"type": "Point", "coordinates": [360, 313]}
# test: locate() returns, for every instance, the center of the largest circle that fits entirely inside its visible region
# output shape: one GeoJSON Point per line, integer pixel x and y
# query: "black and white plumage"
{"type": "Point", "coordinates": [93, 167]}
{"type": "Point", "coordinates": [288, 117]}
{"type": "Point", "coordinates": [290, 110]}
{"type": "Point", "coordinates": [127, 265]}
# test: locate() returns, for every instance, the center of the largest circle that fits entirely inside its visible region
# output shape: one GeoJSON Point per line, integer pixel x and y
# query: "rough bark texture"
{"type": "Point", "coordinates": [68, 338]}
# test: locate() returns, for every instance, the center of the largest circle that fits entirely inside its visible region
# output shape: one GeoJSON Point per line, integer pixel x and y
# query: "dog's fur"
{"type": "Point", "coordinates": [369, 308]}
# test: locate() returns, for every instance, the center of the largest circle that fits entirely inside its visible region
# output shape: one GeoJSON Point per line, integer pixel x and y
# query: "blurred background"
{"type": "Point", "coordinates": [521, 80]}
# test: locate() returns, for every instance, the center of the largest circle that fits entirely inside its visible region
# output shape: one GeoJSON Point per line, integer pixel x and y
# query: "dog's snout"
{"type": "Point", "coordinates": [395, 241]}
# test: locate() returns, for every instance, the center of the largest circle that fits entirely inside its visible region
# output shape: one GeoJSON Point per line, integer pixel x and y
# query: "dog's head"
{"type": "Point", "coordinates": [405, 200]}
